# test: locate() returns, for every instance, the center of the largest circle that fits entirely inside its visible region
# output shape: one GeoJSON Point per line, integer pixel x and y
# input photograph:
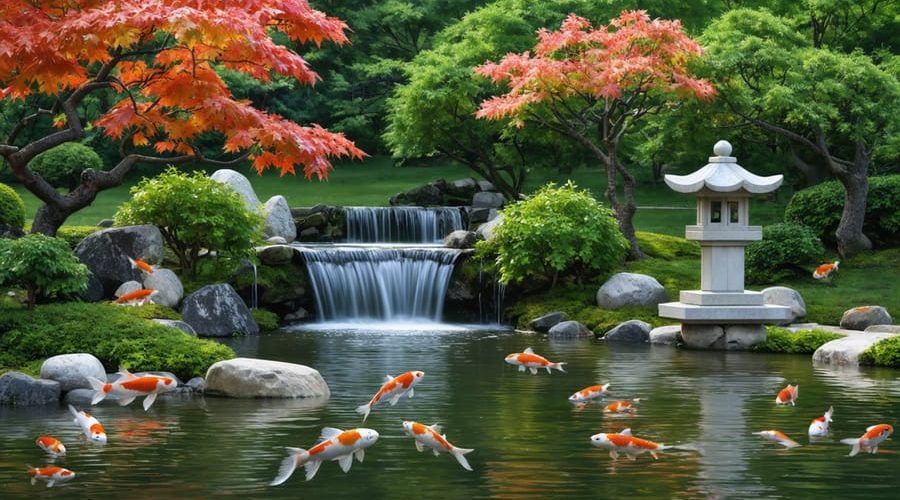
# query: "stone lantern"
{"type": "Point", "coordinates": [722, 315]}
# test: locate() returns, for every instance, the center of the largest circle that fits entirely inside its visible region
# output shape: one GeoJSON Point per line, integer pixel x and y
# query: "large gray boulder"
{"type": "Point", "coordinates": [460, 239]}
{"type": "Point", "coordinates": [462, 188]}
{"type": "Point", "coordinates": [94, 291]}
{"type": "Point", "coordinates": [488, 199]}
{"type": "Point", "coordinates": [174, 323]}
{"type": "Point", "coordinates": [631, 290]}
{"type": "Point", "coordinates": [788, 297]}
{"type": "Point", "coordinates": [846, 350]}
{"type": "Point", "coordinates": [566, 330]}
{"type": "Point", "coordinates": [279, 221]}
{"type": "Point", "coordinates": [486, 186]}
{"type": "Point", "coordinates": [481, 215]}
{"type": "Point", "coordinates": [860, 318]}
{"type": "Point", "coordinates": [634, 330]}
{"type": "Point", "coordinates": [665, 335]}
{"type": "Point", "coordinates": [261, 378]}
{"type": "Point", "coordinates": [237, 182]}
{"type": "Point", "coordinates": [218, 311]}
{"type": "Point", "coordinates": [486, 231]}
{"type": "Point", "coordinates": [728, 337]}
{"type": "Point", "coordinates": [106, 253]}
{"type": "Point", "coordinates": [18, 389]}
{"type": "Point", "coordinates": [169, 290]}
{"type": "Point", "coordinates": [544, 323]}
{"type": "Point", "coordinates": [72, 370]}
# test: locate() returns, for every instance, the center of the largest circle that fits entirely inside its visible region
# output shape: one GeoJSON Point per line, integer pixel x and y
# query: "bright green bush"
{"type": "Point", "coordinates": [62, 165]}
{"type": "Point", "coordinates": [12, 208]}
{"type": "Point", "coordinates": [42, 265]}
{"type": "Point", "coordinates": [267, 320]}
{"type": "Point", "coordinates": [558, 231]}
{"type": "Point", "coordinates": [193, 212]}
{"type": "Point", "coordinates": [785, 250]}
{"type": "Point", "coordinates": [800, 342]}
{"type": "Point", "coordinates": [820, 207]}
{"type": "Point", "coordinates": [74, 234]}
{"type": "Point", "coordinates": [111, 333]}
{"type": "Point", "coordinates": [883, 353]}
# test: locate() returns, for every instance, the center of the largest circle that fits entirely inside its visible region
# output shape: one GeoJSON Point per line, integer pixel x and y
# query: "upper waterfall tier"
{"type": "Point", "coordinates": [401, 224]}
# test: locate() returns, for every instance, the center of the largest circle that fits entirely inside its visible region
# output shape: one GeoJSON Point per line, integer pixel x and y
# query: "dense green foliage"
{"type": "Point", "coordinates": [799, 342]}
{"type": "Point", "coordinates": [44, 266]}
{"type": "Point", "coordinates": [819, 207]}
{"type": "Point", "coordinates": [193, 212]}
{"type": "Point", "coordinates": [267, 320]}
{"type": "Point", "coordinates": [109, 332]}
{"type": "Point", "coordinates": [12, 209]}
{"type": "Point", "coordinates": [558, 231]}
{"type": "Point", "coordinates": [664, 246]}
{"type": "Point", "coordinates": [62, 165]}
{"type": "Point", "coordinates": [883, 353]}
{"type": "Point", "coordinates": [74, 234]}
{"type": "Point", "coordinates": [786, 249]}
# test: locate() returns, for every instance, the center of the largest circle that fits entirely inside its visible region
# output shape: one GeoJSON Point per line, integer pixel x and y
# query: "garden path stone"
{"type": "Point", "coordinates": [218, 311]}
{"type": "Point", "coordinates": [569, 330]}
{"type": "Point", "coordinates": [106, 253]}
{"type": "Point", "coordinates": [72, 370]}
{"type": "Point", "coordinates": [18, 389]}
{"type": "Point", "coordinates": [860, 318]}
{"type": "Point", "coordinates": [634, 330]}
{"type": "Point", "coordinates": [237, 182]}
{"type": "Point", "coordinates": [631, 290]}
{"type": "Point", "coordinates": [544, 323]}
{"type": "Point", "coordinates": [788, 297]}
{"type": "Point", "coordinates": [279, 221]}
{"type": "Point", "coordinates": [168, 286]}
{"type": "Point", "coordinates": [261, 378]}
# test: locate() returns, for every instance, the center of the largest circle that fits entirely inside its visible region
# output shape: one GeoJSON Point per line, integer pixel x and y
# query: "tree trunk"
{"type": "Point", "coordinates": [850, 237]}
{"type": "Point", "coordinates": [624, 212]}
{"type": "Point", "coordinates": [50, 217]}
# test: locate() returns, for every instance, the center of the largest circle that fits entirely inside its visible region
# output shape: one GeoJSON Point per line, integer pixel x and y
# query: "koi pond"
{"type": "Point", "coordinates": [529, 441]}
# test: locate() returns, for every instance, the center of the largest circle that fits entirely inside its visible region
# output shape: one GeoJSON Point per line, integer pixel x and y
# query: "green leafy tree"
{"type": "Point", "coordinates": [44, 266]}
{"type": "Point", "coordinates": [12, 209]}
{"type": "Point", "coordinates": [62, 165]}
{"type": "Point", "coordinates": [558, 231]}
{"type": "Point", "coordinates": [193, 212]}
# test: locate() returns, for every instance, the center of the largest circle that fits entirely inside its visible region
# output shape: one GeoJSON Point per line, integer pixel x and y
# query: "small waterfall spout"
{"type": "Point", "coordinates": [379, 283]}
{"type": "Point", "coordinates": [401, 224]}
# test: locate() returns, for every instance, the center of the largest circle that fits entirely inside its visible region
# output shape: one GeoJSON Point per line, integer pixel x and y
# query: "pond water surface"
{"type": "Point", "coordinates": [529, 441]}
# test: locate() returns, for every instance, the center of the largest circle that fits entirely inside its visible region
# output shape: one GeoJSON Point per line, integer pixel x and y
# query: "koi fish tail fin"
{"type": "Point", "coordinates": [685, 447]}
{"type": "Point", "coordinates": [836, 264]}
{"type": "Point", "coordinates": [364, 410]}
{"type": "Point", "coordinates": [97, 386]}
{"type": "Point", "coordinates": [74, 412]}
{"type": "Point", "coordinates": [829, 413]}
{"type": "Point", "coordinates": [854, 443]}
{"type": "Point", "coordinates": [289, 464]}
{"type": "Point", "coordinates": [558, 366]}
{"type": "Point", "coordinates": [458, 454]}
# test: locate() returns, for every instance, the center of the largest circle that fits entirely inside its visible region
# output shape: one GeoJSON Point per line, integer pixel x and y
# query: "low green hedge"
{"type": "Point", "coordinates": [111, 333]}
{"type": "Point", "coordinates": [800, 342]}
{"type": "Point", "coordinates": [883, 353]}
{"type": "Point", "coordinates": [267, 320]}
{"type": "Point", "coordinates": [74, 234]}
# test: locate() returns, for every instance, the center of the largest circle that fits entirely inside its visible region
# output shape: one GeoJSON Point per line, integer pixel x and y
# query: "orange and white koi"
{"type": "Point", "coordinates": [137, 297]}
{"type": "Point", "coordinates": [130, 386]}
{"type": "Point", "coordinates": [90, 426]}
{"type": "Point", "coordinates": [51, 445]}
{"type": "Point", "coordinates": [825, 270]}
{"type": "Point", "coordinates": [627, 444]}
{"type": "Point", "coordinates": [392, 390]}
{"type": "Point", "coordinates": [50, 474]}
{"type": "Point", "coordinates": [869, 441]}
{"type": "Point", "coordinates": [528, 359]}
{"type": "Point", "coordinates": [622, 406]}
{"type": "Point", "coordinates": [431, 437]}
{"type": "Point", "coordinates": [141, 264]}
{"type": "Point", "coordinates": [819, 425]}
{"type": "Point", "coordinates": [589, 393]}
{"type": "Point", "coordinates": [779, 437]}
{"type": "Point", "coordinates": [334, 444]}
{"type": "Point", "coordinates": [788, 395]}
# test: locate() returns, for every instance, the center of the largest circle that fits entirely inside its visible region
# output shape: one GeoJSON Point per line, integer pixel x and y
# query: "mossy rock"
{"type": "Point", "coordinates": [267, 320]}
{"type": "Point", "coordinates": [883, 353]}
{"type": "Point", "coordinates": [799, 342]}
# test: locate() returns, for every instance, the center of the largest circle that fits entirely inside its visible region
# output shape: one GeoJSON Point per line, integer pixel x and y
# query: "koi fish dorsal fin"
{"type": "Point", "coordinates": [125, 373]}
{"type": "Point", "coordinates": [869, 428]}
{"type": "Point", "coordinates": [528, 350]}
{"type": "Point", "coordinates": [436, 428]}
{"type": "Point", "coordinates": [388, 378]}
{"type": "Point", "coordinates": [328, 433]}
{"type": "Point", "coordinates": [626, 432]}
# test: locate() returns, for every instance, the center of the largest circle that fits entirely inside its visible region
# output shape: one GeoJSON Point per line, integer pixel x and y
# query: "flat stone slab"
{"type": "Point", "coordinates": [846, 351]}
{"type": "Point", "coordinates": [688, 313]}
{"type": "Point", "coordinates": [262, 378]}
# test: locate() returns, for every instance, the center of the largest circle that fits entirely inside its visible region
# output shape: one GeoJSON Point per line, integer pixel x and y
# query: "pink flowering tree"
{"type": "Point", "coordinates": [592, 85]}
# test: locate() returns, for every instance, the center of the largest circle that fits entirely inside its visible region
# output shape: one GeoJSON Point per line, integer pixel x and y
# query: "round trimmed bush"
{"type": "Point", "coordinates": [785, 250]}
{"type": "Point", "coordinates": [12, 208]}
{"type": "Point", "coordinates": [62, 165]}
{"type": "Point", "coordinates": [42, 265]}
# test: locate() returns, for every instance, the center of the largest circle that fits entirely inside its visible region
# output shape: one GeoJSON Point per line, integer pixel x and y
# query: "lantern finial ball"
{"type": "Point", "coordinates": [722, 148]}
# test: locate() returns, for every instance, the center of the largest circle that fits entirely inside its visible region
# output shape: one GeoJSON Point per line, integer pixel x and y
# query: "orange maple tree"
{"type": "Point", "coordinates": [159, 62]}
{"type": "Point", "coordinates": [592, 84]}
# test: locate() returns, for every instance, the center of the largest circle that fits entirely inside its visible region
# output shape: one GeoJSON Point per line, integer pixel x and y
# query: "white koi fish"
{"type": "Point", "coordinates": [90, 426]}
{"type": "Point", "coordinates": [788, 395]}
{"type": "Point", "coordinates": [819, 425]}
{"type": "Point", "coordinates": [627, 444]}
{"type": "Point", "coordinates": [392, 390]}
{"type": "Point", "coordinates": [874, 436]}
{"type": "Point", "coordinates": [779, 437]}
{"type": "Point", "coordinates": [51, 445]}
{"type": "Point", "coordinates": [431, 437]}
{"type": "Point", "coordinates": [130, 386]}
{"type": "Point", "coordinates": [334, 444]}
{"type": "Point", "coordinates": [50, 474]}
{"type": "Point", "coordinates": [528, 359]}
{"type": "Point", "coordinates": [589, 393]}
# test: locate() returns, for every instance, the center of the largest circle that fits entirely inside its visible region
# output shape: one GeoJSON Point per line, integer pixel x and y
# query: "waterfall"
{"type": "Point", "coordinates": [401, 224]}
{"type": "Point", "coordinates": [379, 283]}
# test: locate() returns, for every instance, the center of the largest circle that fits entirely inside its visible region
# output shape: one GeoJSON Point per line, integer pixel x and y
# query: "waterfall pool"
{"type": "Point", "coordinates": [529, 441]}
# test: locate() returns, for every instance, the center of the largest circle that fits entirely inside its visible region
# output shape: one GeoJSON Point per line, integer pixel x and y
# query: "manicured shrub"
{"type": "Point", "coordinates": [74, 234]}
{"type": "Point", "coordinates": [785, 250]}
{"type": "Point", "coordinates": [111, 333]}
{"type": "Point", "coordinates": [12, 209]}
{"type": "Point", "coordinates": [800, 342]}
{"type": "Point", "coordinates": [193, 212]}
{"type": "Point", "coordinates": [820, 207]}
{"type": "Point", "coordinates": [883, 353]}
{"type": "Point", "coordinates": [44, 266]}
{"type": "Point", "coordinates": [62, 165]}
{"type": "Point", "coordinates": [558, 231]}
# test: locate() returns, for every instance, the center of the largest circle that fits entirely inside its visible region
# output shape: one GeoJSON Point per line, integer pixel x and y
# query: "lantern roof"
{"type": "Point", "coordinates": [723, 175]}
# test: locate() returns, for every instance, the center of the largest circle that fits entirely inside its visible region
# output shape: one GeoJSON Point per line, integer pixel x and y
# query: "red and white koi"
{"type": "Point", "coordinates": [622, 406]}
{"type": "Point", "coordinates": [779, 437]}
{"type": "Point", "coordinates": [51, 445]}
{"type": "Point", "coordinates": [130, 386]}
{"type": "Point", "coordinates": [627, 444]}
{"type": "Point", "coordinates": [141, 264]}
{"type": "Point", "coordinates": [90, 426]}
{"type": "Point", "coordinates": [392, 390]}
{"type": "Point", "coordinates": [334, 444]}
{"type": "Point", "coordinates": [825, 270]}
{"type": "Point", "coordinates": [528, 359]}
{"type": "Point", "coordinates": [788, 395]}
{"type": "Point", "coordinates": [819, 425]}
{"type": "Point", "coordinates": [50, 474]}
{"type": "Point", "coordinates": [431, 437]}
{"type": "Point", "coordinates": [874, 436]}
{"type": "Point", "coordinates": [137, 297]}
{"type": "Point", "coordinates": [589, 393]}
